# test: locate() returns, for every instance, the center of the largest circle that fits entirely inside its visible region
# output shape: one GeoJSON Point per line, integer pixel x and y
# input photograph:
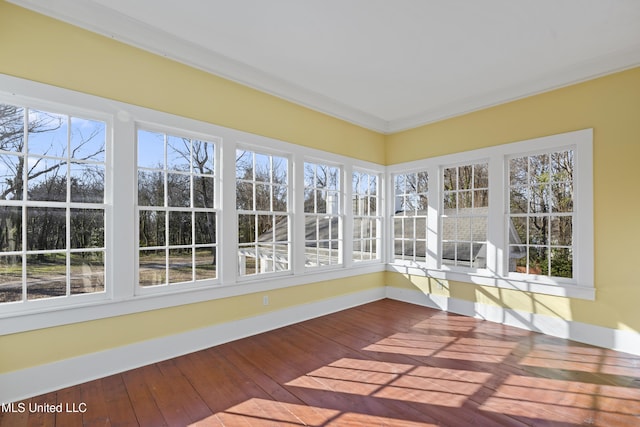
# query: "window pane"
{"type": "Point", "coordinates": [281, 229]}
{"type": "Point", "coordinates": [263, 197]}
{"type": "Point", "coordinates": [562, 230]}
{"type": "Point", "coordinates": [519, 230]}
{"type": "Point", "coordinates": [10, 278]}
{"type": "Point", "coordinates": [464, 229]}
{"type": "Point", "coordinates": [150, 149]}
{"type": "Point", "coordinates": [280, 170]}
{"type": "Point", "coordinates": [46, 275]}
{"type": "Point", "coordinates": [519, 172]}
{"type": "Point", "coordinates": [479, 229]}
{"type": "Point", "coordinates": [266, 228]}
{"type": "Point", "coordinates": [11, 185]}
{"type": "Point", "coordinates": [152, 270]}
{"type": "Point", "coordinates": [178, 190]}
{"type": "Point", "coordinates": [539, 169]}
{"type": "Point", "coordinates": [12, 128]}
{"type": "Point", "coordinates": [205, 227]}
{"type": "Point", "coordinates": [449, 228]}
{"type": "Point", "coordinates": [150, 188]}
{"type": "Point", "coordinates": [48, 134]}
{"type": "Point", "coordinates": [87, 183]}
{"type": "Point", "coordinates": [10, 228]}
{"type": "Point", "coordinates": [465, 177]}
{"type": "Point", "coordinates": [481, 199]}
{"type": "Point", "coordinates": [178, 153]}
{"type": "Point", "coordinates": [205, 263]}
{"type": "Point", "coordinates": [244, 195]}
{"type": "Point", "coordinates": [481, 175]}
{"type": "Point", "coordinates": [311, 228]}
{"type": "Point", "coordinates": [519, 199]}
{"type": "Point", "coordinates": [562, 166]}
{"type": "Point", "coordinates": [180, 265]}
{"type": "Point", "coordinates": [46, 228]}
{"type": "Point", "coordinates": [87, 272]}
{"type": "Point", "coordinates": [450, 179]}
{"type": "Point", "coordinates": [87, 228]}
{"type": "Point", "coordinates": [279, 198]}
{"type": "Point", "coordinates": [282, 257]}
{"type": "Point", "coordinates": [262, 167]}
{"type": "Point", "coordinates": [203, 157]}
{"type": "Point", "coordinates": [88, 139]}
{"type": "Point", "coordinates": [562, 197]}
{"type": "Point", "coordinates": [244, 164]}
{"type": "Point", "coordinates": [465, 200]}
{"type": "Point", "coordinates": [152, 228]}
{"type": "Point", "coordinates": [203, 188]}
{"type": "Point", "coordinates": [562, 262]}
{"type": "Point", "coordinates": [539, 199]}
{"type": "Point", "coordinates": [538, 230]}
{"type": "Point", "coordinates": [246, 228]}
{"type": "Point", "coordinates": [179, 228]}
{"type": "Point", "coordinates": [538, 260]}
{"type": "Point", "coordinates": [47, 180]}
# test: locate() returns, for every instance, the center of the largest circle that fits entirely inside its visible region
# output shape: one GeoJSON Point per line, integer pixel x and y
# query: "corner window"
{"type": "Point", "coordinates": [176, 215]}
{"type": "Point", "coordinates": [52, 210]}
{"type": "Point", "coordinates": [366, 216]}
{"type": "Point", "coordinates": [264, 217]}
{"type": "Point", "coordinates": [411, 196]}
{"type": "Point", "coordinates": [322, 215]}
{"type": "Point", "coordinates": [517, 216]}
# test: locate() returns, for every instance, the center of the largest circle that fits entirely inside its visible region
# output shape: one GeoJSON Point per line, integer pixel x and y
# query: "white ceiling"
{"type": "Point", "coordinates": [387, 65]}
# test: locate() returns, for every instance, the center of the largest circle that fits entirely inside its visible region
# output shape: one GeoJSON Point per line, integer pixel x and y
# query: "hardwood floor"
{"type": "Point", "coordinates": [384, 363]}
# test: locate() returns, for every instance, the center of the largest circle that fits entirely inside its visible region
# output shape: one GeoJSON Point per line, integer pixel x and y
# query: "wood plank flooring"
{"type": "Point", "coordinates": [386, 363]}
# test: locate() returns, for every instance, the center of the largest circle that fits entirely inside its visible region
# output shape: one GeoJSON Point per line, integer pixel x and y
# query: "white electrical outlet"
{"type": "Point", "coordinates": [265, 300]}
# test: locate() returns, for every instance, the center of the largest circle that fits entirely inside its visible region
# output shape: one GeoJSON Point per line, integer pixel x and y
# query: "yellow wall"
{"type": "Point", "coordinates": [44, 50]}
{"type": "Point", "coordinates": [41, 49]}
{"type": "Point", "coordinates": [611, 106]}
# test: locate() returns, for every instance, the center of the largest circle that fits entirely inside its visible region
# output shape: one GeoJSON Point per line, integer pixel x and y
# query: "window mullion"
{"type": "Point", "coordinates": [120, 247]}
{"type": "Point", "coordinates": [298, 241]}
{"type": "Point", "coordinates": [498, 216]}
{"type": "Point", "coordinates": [228, 241]}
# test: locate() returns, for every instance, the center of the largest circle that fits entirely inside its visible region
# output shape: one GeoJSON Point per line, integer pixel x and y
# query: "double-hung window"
{"type": "Point", "coordinates": [264, 216]}
{"type": "Point", "coordinates": [367, 216]}
{"type": "Point", "coordinates": [465, 215]}
{"type": "Point", "coordinates": [322, 213]}
{"type": "Point", "coordinates": [410, 228]}
{"type": "Point", "coordinates": [176, 216]}
{"type": "Point", "coordinates": [541, 213]}
{"type": "Point", "coordinates": [52, 204]}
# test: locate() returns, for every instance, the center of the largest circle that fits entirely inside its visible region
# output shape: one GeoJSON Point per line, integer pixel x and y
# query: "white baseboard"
{"type": "Point", "coordinates": [615, 339]}
{"type": "Point", "coordinates": [18, 385]}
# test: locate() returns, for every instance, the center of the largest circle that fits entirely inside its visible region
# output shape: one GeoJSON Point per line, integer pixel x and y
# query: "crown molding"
{"type": "Point", "coordinates": [112, 24]}
{"type": "Point", "coordinates": [554, 79]}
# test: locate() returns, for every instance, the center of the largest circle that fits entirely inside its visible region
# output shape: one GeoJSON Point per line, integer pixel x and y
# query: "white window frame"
{"type": "Point", "coordinates": [442, 215]}
{"type": "Point", "coordinates": [378, 218]}
{"type": "Point", "coordinates": [429, 234]}
{"type": "Point", "coordinates": [185, 133]}
{"type": "Point", "coordinates": [63, 301]}
{"type": "Point", "coordinates": [339, 215]}
{"type": "Point", "coordinates": [496, 274]}
{"type": "Point", "coordinates": [273, 271]}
